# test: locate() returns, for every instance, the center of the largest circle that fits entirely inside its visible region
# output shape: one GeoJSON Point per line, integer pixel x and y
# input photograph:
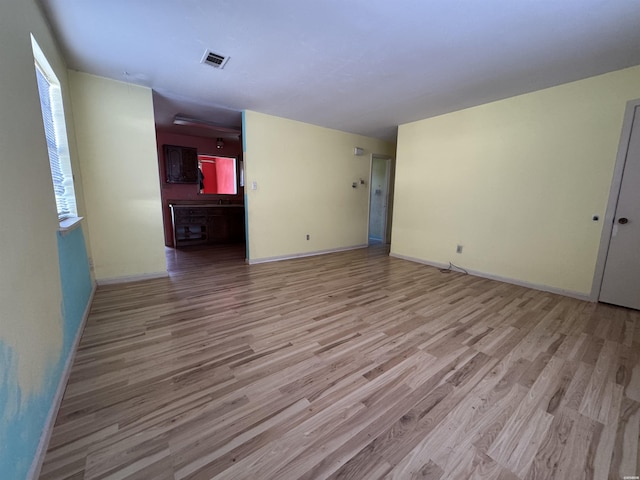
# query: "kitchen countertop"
{"type": "Point", "coordinates": [206, 205]}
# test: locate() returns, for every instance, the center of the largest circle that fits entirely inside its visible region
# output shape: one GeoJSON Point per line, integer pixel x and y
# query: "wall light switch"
{"type": "Point", "coordinates": [254, 185]}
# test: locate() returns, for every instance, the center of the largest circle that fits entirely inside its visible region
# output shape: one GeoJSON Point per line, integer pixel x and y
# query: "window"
{"type": "Point", "coordinates": [56, 135]}
{"type": "Point", "coordinates": [218, 175]}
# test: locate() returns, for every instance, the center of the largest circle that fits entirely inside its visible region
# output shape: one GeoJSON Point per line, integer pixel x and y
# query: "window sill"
{"type": "Point", "coordinates": [69, 224]}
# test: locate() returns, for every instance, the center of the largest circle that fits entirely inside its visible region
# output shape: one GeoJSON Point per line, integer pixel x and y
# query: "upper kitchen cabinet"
{"type": "Point", "coordinates": [181, 164]}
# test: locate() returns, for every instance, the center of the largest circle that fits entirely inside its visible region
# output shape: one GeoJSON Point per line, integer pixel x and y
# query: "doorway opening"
{"type": "Point", "coordinates": [380, 183]}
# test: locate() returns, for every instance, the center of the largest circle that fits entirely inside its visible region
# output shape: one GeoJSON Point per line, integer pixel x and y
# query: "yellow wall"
{"type": "Point", "coordinates": [115, 132]}
{"type": "Point", "coordinates": [30, 292]}
{"type": "Point", "coordinates": [34, 329]}
{"type": "Point", "coordinates": [515, 182]}
{"type": "Point", "coordinates": [304, 175]}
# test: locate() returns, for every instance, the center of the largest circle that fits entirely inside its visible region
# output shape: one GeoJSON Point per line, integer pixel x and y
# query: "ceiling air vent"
{"type": "Point", "coordinates": [214, 59]}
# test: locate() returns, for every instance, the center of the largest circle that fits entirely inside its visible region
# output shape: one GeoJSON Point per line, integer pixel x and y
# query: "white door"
{"type": "Point", "coordinates": [621, 279]}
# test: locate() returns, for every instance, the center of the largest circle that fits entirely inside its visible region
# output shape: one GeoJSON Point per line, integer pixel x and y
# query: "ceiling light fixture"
{"type": "Point", "coordinates": [194, 122]}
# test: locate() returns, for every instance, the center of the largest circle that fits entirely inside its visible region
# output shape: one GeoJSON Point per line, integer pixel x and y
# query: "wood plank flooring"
{"type": "Point", "coordinates": [352, 365]}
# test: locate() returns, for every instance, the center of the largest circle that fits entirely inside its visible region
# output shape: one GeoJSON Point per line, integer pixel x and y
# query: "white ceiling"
{"type": "Point", "coordinates": [362, 66]}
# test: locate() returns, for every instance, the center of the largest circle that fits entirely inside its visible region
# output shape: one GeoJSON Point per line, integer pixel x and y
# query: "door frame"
{"type": "Point", "coordinates": [612, 202]}
{"type": "Point", "coordinates": [389, 160]}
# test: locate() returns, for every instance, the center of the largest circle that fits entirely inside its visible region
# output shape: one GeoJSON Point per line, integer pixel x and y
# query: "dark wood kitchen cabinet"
{"type": "Point", "coordinates": [181, 164]}
{"type": "Point", "coordinates": [202, 224]}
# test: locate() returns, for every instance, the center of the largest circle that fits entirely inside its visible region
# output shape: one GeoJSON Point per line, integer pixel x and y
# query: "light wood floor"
{"type": "Point", "coordinates": [350, 365]}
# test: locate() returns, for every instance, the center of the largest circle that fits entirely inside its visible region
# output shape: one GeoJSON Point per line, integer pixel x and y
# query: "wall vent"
{"type": "Point", "coordinates": [214, 59]}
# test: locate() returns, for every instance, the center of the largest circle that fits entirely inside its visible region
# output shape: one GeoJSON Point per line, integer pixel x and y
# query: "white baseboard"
{"type": "Point", "coordinates": [131, 278]}
{"type": "Point", "coordinates": [520, 283]}
{"type": "Point", "coordinates": [38, 459]}
{"type": "Point", "coordinates": [253, 261]}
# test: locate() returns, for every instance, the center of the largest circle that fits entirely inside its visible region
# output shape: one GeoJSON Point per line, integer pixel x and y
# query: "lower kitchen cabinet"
{"type": "Point", "coordinates": [202, 224]}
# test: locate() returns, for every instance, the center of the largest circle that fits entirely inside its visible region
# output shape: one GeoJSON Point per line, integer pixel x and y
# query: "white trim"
{"type": "Point", "coordinates": [131, 278]}
{"type": "Point", "coordinates": [513, 281]}
{"type": "Point", "coordinates": [254, 261]}
{"type": "Point", "coordinates": [612, 202]}
{"type": "Point", "coordinates": [38, 459]}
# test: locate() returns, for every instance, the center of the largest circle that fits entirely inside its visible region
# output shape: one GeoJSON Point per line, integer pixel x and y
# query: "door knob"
{"type": "Point", "coordinates": [623, 220]}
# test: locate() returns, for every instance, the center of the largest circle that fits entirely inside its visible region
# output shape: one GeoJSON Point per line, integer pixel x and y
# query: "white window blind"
{"type": "Point", "coordinates": [57, 145]}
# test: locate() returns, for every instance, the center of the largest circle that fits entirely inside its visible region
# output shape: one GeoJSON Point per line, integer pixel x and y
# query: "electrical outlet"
{"type": "Point", "coordinates": [459, 249]}
{"type": "Point", "coordinates": [308, 236]}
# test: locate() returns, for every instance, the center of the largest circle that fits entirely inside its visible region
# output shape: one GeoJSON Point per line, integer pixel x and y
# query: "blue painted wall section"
{"type": "Point", "coordinates": [23, 420]}
{"type": "Point", "coordinates": [246, 204]}
{"type": "Point", "coordinates": [76, 283]}
{"type": "Point", "coordinates": [244, 133]}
